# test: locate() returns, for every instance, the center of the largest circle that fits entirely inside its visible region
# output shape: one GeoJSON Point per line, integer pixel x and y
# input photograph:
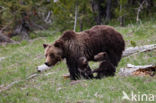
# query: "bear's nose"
{"type": "Point", "coordinates": [46, 63]}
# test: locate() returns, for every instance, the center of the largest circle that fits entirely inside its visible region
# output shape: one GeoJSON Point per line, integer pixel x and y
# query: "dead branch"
{"type": "Point", "coordinates": [33, 75]}
{"type": "Point", "coordinates": [36, 26]}
{"type": "Point", "coordinates": [9, 86]}
{"type": "Point", "coordinates": [2, 9]}
{"type": "Point", "coordinates": [139, 10]}
{"type": "Point", "coordinates": [140, 70]}
{"type": "Point", "coordinates": [4, 39]}
{"type": "Point", "coordinates": [5, 27]}
{"type": "Point", "coordinates": [17, 81]}
{"type": "Point", "coordinates": [76, 82]}
{"type": "Point", "coordinates": [47, 19]}
{"type": "Point", "coordinates": [133, 50]}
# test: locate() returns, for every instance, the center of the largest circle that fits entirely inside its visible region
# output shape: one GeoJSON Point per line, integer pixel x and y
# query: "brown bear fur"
{"type": "Point", "coordinates": [101, 56]}
{"type": "Point", "coordinates": [105, 68]}
{"type": "Point", "coordinates": [84, 68]}
{"type": "Point", "coordinates": [72, 45]}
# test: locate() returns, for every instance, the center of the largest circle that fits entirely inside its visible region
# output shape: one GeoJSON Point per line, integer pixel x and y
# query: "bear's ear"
{"type": "Point", "coordinates": [84, 60]}
{"type": "Point", "coordinates": [45, 45]}
{"type": "Point", "coordinates": [58, 43]}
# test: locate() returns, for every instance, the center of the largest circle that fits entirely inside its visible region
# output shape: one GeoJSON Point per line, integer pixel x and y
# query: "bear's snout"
{"type": "Point", "coordinates": [46, 63]}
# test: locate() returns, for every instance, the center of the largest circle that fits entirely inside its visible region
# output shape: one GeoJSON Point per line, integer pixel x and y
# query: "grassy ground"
{"type": "Point", "coordinates": [22, 59]}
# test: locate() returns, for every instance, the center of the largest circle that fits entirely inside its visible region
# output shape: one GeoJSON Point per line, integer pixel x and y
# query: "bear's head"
{"type": "Point", "coordinates": [84, 68]}
{"type": "Point", "coordinates": [83, 65]}
{"type": "Point", "coordinates": [82, 62]}
{"type": "Point", "coordinates": [101, 56]}
{"type": "Point", "coordinates": [53, 52]}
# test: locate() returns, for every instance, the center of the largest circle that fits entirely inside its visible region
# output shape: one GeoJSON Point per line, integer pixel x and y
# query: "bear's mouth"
{"type": "Point", "coordinates": [47, 64]}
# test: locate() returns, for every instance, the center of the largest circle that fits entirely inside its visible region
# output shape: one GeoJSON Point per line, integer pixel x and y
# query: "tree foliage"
{"type": "Point", "coordinates": [41, 14]}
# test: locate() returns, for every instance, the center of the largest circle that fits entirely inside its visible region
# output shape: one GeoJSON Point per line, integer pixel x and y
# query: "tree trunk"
{"type": "Point", "coordinates": [81, 25]}
{"type": "Point", "coordinates": [76, 13]}
{"type": "Point", "coordinates": [108, 11]}
{"type": "Point", "coordinates": [139, 10]}
{"type": "Point", "coordinates": [22, 31]}
{"type": "Point", "coordinates": [121, 19]}
{"type": "Point", "coordinates": [96, 10]}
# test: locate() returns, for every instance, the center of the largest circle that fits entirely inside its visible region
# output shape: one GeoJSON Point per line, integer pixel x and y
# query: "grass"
{"type": "Point", "coordinates": [22, 59]}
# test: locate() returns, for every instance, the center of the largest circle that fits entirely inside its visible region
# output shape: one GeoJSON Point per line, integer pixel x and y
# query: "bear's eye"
{"type": "Point", "coordinates": [46, 55]}
{"type": "Point", "coordinates": [52, 55]}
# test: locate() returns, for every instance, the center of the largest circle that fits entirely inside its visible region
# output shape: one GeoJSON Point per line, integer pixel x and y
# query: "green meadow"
{"type": "Point", "coordinates": [22, 59]}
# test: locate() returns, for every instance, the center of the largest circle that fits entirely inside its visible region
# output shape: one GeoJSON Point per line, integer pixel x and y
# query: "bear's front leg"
{"type": "Point", "coordinates": [73, 69]}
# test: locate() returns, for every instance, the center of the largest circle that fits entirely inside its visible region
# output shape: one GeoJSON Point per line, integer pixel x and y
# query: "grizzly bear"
{"type": "Point", "coordinates": [84, 68]}
{"type": "Point", "coordinates": [105, 68]}
{"type": "Point", "coordinates": [101, 56]}
{"type": "Point", "coordinates": [72, 45]}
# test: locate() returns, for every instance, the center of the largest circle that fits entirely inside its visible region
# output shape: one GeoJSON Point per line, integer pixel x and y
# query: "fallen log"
{"type": "Point", "coordinates": [138, 49]}
{"type": "Point", "coordinates": [1, 58]}
{"type": "Point", "coordinates": [141, 70]}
